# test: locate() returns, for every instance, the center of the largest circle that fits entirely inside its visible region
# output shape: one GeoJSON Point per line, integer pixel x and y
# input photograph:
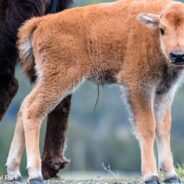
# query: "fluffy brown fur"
{"type": "Point", "coordinates": [107, 42]}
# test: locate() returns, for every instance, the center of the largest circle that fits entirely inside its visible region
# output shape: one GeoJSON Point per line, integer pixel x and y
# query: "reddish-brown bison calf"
{"type": "Point", "coordinates": [136, 44]}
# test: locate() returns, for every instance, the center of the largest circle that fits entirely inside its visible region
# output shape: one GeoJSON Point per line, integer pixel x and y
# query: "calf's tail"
{"type": "Point", "coordinates": [25, 48]}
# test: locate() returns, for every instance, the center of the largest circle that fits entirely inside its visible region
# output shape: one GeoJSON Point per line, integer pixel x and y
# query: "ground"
{"type": "Point", "coordinates": [80, 182]}
{"type": "Point", "coordinates": [109, 180]}
{"type": "Point", "coordinates": [100, 181]}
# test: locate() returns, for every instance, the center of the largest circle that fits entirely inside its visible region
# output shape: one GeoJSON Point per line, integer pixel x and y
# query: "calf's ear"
{"type": "Point", "coordinates": [149, 19]}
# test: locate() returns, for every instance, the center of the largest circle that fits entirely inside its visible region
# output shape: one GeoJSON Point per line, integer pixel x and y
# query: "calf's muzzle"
{"type": "Point", "coordinates": [177, 57]}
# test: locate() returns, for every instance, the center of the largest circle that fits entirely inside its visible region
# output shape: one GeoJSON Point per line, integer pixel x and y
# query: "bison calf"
{"type": "Point", "coordinates": [136, 44]}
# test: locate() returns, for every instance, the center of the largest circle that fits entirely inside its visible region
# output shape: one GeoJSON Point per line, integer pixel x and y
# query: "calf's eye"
{"type": "Point", "coordinates": [162, 31]}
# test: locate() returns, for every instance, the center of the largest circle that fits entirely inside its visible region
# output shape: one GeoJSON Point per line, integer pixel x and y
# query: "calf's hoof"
{"type": "Point", "coordinates": [36, 181]}
{"type": "Point", "coordinates": [153, 180]}
{"type": "Point", "coordinates": [14, 180]}
{"type": "Point", "coordinates": [174, 180]}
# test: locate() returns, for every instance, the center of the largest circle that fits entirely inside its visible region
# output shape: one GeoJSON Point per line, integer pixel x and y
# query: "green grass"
{"type": "Point", "coordinates": [180, 171]}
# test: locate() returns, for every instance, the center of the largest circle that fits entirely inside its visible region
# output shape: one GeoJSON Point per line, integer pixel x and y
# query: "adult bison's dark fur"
{"type": "Point", "coordinates": [12, 14]}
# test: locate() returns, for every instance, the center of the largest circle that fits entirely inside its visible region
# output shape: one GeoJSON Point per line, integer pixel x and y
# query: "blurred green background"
{"type": "Point", "coordinates": [100, 136]}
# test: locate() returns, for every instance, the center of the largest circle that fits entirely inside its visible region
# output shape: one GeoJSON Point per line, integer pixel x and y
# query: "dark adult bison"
{"type": "Point", "coordinates": [12, 14]}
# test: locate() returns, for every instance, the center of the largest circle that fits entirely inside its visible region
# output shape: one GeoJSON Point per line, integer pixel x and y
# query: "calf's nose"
{"type": "Point", "coordinates": [177, 57]}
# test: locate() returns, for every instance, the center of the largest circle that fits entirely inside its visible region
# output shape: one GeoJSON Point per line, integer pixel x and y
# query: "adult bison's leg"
{"type": "Point", "coordinates": [53, 158]}
{"type": "Point", "coordinates": [8, 89]}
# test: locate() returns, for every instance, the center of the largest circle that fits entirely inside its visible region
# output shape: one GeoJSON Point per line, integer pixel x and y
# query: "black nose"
{"type": "Point", "coordinates": [177, 58]}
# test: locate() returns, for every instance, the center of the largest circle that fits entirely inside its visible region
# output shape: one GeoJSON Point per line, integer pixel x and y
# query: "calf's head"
{"type": "Point", "coordinates": [170, 24]}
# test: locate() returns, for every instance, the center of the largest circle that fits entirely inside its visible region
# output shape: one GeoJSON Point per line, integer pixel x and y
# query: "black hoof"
{"type": "Point", "coordinates": [153, 180]}
{"type": "Point", "coordinates": [36, 181]}
{"type": "Point", "coordinates": [174, 180]}
{"type": "Point", "coordinates": [14, 180]}
{"type": "Point", "coordinates": [50, 169]}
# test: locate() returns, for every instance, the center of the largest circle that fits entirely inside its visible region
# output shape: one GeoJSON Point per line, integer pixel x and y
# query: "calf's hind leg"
{"type": "Point", "coordinates": [17, 146]}
{"type": "Point", "coordinates": [53, 158]}
{"type": "Point", "coordinates": [16, 151]}
{"type": "Point", "coordinates": [49, 94]}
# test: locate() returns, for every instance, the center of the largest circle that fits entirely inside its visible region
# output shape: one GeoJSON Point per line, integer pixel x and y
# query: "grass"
{"type": "Point", "coordinates": [89, 181]}
{"type": "Point", "coordinates": [96, 181]}
{"type": "Point", "coordinates": [180, 171]}
{"type": "Point", "coordinates": [113, 180]}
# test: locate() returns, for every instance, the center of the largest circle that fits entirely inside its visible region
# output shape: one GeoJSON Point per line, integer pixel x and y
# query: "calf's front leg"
{"type": "Point", "coordinates": [145, 125]}
{"type": "Point", "coordinates": [53, 158]}
{"type": "Point", "coordinates": [163, 144]}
